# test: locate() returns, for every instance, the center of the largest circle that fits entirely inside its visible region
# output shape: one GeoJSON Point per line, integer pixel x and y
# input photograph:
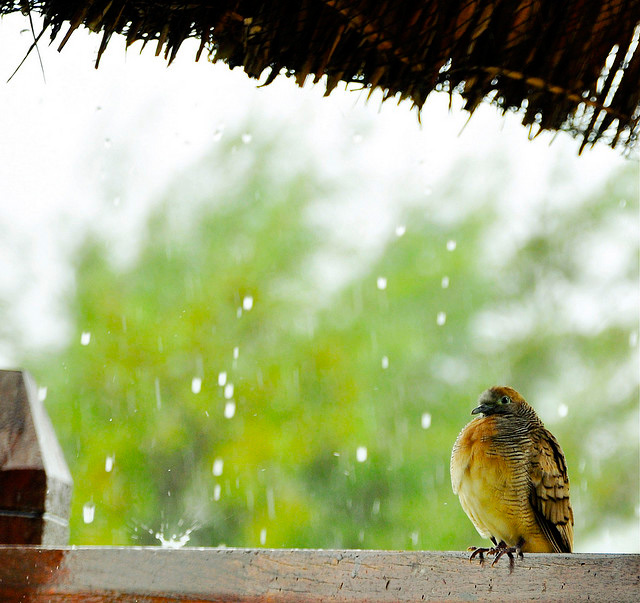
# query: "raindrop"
{"type": "Point", "coordinates": [196, 385]}
{"type": "Point", "coordinates": [216, 492]}
{"type": "Point", "coordinates": [271, 506]}
{"type": "Point", "coordinates": [229, 409]}
{"type": "Point", "coordinates": [375, 508]}
{"type": "Point", "coordinates": [239, 312]}
{"type": "Point", "coordinates": [88, 512]}
{"type": "Point", "coordinates": [247, 303]}
{"type": "Point", "coordinates": [228, 391]}
{"type": "Point", "coordinates": [451, 245]}
{"type": "Point", "coordinates": [623, 203]}
{"type": "Point", "coordinates": [158, 397]}
{"type": "Point", "coordinates": [425, 420]}
{"type": "Point", "coordinates": [441, 318]}
{"type": "Point", "coordinates": [400, 230]}
{"type": "Point", "coordinates": [246, 138]}
{"type": "Point", "coordinates": [236, 353]}
{"type": "Point", "coordinates": [414, 538]}
{"type": "Point", "coordinates": [361, 454]}
{"type": "Point", "coordinates": [42, 394]}
{"type": "Point", "coordinates": [263, 536]}
{"type": "Point", "coordinates": [385, 362]}
{"type": "Point", "coordinates": [218, 465]}
{"type": "Point", "coordinates": [222, 378]}
{"type": "Point", "coordinates": [108, 462]}
{"type": "Point", "coordinates": [445, 282]}
{"type": "Point", "coordinates": [633, 339]}
{"type": "Point", "coordinates": [85, 338]}
{"type": "Point", "coordinates": [217, 134]}
{"type": "Point", "coordinates": [107, 143]}
{"type": "Point", "coordinates": [381, 283]}
{"type": "Point", "coordinates": [563, 410]}
{"type": "Point", "coordinates": [175, 541]}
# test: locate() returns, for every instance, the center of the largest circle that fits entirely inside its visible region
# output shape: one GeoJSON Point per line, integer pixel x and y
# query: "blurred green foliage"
{"type": "Point", "coordinates": [224, 292]}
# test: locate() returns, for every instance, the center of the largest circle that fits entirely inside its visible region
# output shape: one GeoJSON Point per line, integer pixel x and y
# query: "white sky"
{"type": "Point", "coordinates": [59, 140]}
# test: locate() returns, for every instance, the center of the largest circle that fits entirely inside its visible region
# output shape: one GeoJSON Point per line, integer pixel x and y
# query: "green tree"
{"type": "Point", "coordinates": [345, 405]}
{"type": "Point", "coordinates": [166, 327]}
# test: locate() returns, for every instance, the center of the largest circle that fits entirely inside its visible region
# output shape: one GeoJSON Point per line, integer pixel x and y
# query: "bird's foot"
{"type": "Point", "coordinates": [509, 551]}
{"type": "Point", "coordinates": [498, 550]}
{"type": "Point", "coordinates": [479, 552]}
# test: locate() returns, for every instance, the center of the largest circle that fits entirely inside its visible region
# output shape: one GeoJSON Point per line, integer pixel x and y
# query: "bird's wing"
{"type": "Point", "coordinates": [549, 494]}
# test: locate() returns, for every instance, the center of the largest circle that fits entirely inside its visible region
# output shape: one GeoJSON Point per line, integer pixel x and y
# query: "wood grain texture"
{"type": "Point", "coordinates": [127, 574]}
{"type": "Point", "coordinates": [35, 483]}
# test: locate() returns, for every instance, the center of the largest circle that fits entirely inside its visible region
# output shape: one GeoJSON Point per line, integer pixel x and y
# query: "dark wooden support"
{"type": "Point", "coordinates": [129, 574]}
{"type": "Point", "coordinates": [35, 483]}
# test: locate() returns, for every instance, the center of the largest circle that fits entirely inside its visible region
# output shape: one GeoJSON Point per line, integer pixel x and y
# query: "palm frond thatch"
{"type": "Point", "coordinates": [565, 65]}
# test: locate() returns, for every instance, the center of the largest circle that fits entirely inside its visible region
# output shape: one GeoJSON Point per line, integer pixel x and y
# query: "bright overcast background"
{"type": "Point", "coordinates": [59, 135]}
{"type": "Point", "coordinates": [62, 133]}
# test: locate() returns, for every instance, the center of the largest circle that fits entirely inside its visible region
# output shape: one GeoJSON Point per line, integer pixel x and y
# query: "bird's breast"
{"type": "Point", "coordinates": [486, 474]}
{"type": "Point", "coordinates": [472, 451]}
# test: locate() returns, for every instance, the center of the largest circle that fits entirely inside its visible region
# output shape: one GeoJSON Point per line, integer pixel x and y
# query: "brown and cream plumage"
{"type": "Point", "coordinates": [511, 477]}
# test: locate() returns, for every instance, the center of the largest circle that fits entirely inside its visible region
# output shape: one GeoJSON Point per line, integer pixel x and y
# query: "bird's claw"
{"type": "Point", "coordinates": [479, 552]}
{"type": "Point", "coordinates": [499, 550]}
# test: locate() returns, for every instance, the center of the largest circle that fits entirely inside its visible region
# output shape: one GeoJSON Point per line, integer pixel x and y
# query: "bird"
{"type": "Point", "coordinates": [510, 474]}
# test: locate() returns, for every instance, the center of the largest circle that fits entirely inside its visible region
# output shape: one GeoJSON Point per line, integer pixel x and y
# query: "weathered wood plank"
{"type": "Point", "coordinates": [128, 574]}
{"type": "Point", "coordinates": [35, 483]}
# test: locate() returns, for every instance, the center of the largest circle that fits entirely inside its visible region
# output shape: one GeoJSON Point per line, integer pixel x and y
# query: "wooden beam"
{"type": "Point", "coordinates": [35, 483]}
{"type": "Point", "coordinates": [127, 574]}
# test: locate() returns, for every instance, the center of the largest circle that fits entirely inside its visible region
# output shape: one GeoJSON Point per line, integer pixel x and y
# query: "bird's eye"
{"type": "Point", "coordinates": [505, 400]}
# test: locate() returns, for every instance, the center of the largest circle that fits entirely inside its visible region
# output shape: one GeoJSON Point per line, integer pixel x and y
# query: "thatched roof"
{"type": "Point", "coordinates": [565, 64]}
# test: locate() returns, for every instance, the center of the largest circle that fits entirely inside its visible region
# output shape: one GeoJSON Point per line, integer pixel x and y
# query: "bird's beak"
{"type": "Point", "coordinates": [482, 408]}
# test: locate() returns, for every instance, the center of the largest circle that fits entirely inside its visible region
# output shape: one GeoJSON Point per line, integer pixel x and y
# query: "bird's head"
{"type": "Point", "coordinates": [500, 400]}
